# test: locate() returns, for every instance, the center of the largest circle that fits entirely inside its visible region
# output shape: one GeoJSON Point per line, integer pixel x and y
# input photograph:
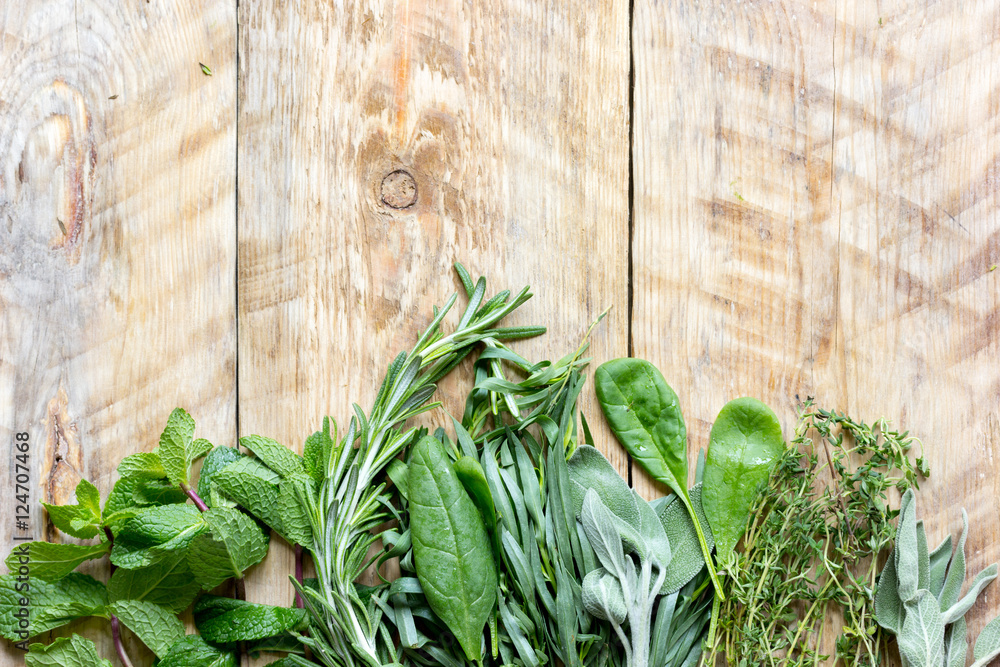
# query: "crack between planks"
{"type": "Point", "coordinates": [631, 194]}
{"type": "Point", "coordinates": [236, 230]}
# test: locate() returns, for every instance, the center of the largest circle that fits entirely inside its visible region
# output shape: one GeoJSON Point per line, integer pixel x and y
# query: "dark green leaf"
{"type": "Point", "coordinates": [687, 560]}
{"type": "Point", "coordinates": [143, 464]}
{"type": "Point", "coordinates": [254, 486]}
{"type": "Point", "coordinates": [53, 561]}
{"type": "Point", "coordinates": [168, 583]}
{"type": "Point", "coordinates": [216, 460]}
{"type": "Point", "coordinates": [50, 604]}
{"type": "Point", "coordinates": [224, 620]}
{"type": "Point", "coordinates": [156, 627]}
{"type": "Point", "coordinates": [193, 651]}
{"type": "Point", "coordinates": [155, 532]}
{"type": "Point", "coordinates": [235, 542]}
{"type": "Point", "coordinates": [317, 449]}
{"type": "Point", "coordinates": [274, 455]}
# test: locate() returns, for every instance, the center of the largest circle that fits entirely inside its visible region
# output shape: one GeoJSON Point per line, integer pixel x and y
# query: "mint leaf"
{"type": "Point", "coordinates": [235, 543]}
{"type": "Point", "coordinates": [49, 604]}
{"type": "Point", "coordinates": [155, 532]}
{"type": "Point", "coordinates": [154, 625]}
{"type": "Point", "coordinates": [168, 583]}
{"type": "Point", "coordinates": [224, 620]}
{"type": "Point", "coordinates": [178, 448]}
{"type": "Point", "coordinates": [193, 651]}
{"type": "Point", "coordinates": [157, 492]}
{"type": "Point", "coordinates": [317, 450]}
{"type": "Point", "coordinates": [72, 651]}
{"type": "Point", "coordinates": [296, 496]}
{"type": "Point", "coordinates": [52, 561]}
{"type": "Point", "coordinates": [254, 486]}
{"type": "Point", "coordinates": [143, 464]}
{"type": "Point", "coordinates": [216, 460]}
{"type": "Point", "coordinates": [274, 455]}
{"type": "Point", "coordinates": [82, 520]}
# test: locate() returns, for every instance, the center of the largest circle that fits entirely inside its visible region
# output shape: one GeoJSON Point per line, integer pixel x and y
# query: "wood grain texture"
{"type": "Point", "coordinates": [512, 121]}
{"type": "Point", "coordinates": [816, 214]}
{"type": "Point", "coordinates": [117, 239]}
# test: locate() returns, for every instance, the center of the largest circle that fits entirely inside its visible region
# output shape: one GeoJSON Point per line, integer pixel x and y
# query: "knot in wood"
{"type": "Point", "coordinates": [399, 190]}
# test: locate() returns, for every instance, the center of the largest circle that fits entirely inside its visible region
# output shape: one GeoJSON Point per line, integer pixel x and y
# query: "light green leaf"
{"type": "Point", "coordinates": [921, 640]}
{"type": "Point", "coordinates": [274, 455]}
{"type": "Point", "coordinates": [295, 497]}
{"type": "Point", "coordinates": [168, 583]}
{"type": "Point", "coordinates": [316, 451]}
{"type": "Point", "coordinates": [254, 486]}
{"type": "Point", "coordinates": [234, 544]}
{"type": "Point", "coordinates": [603, 597]}
{"type": "Point", "coordinates": [149, 492]}
{"type": "Point", "coordinates": [982, 580]}
{"type": "Point", "coordinates": [956, 570]}
{"type": "Point", "coordinates": [599, 525]}
{"type": "Point", "coordinates": [157, 627]}
{"type": "Point", "coordinates": [224, 620]}
{"type": "Point", "coordinates": [143, 464]}
{"type": "Point", "coordinates": [53, 561]}
{"type": "Point", "coordinates": [888, 607]}
{"type": "Point", "coordinates": [954, 644]}
{"type": "Point", "coordinates": [82, 520]}
{"type": "Point", "coordinates": [454, 561]}
{"type": "Point", "coordinates": [178, 448]}
{"type": "Point", "coordinates": [72, 651]}
{"type": "Point", "coordinates": [216, 460]}
{"type": "Point", "coordinates": [745, 442]}
{"type": "Point", "coordinates": [939, 559]}
{"type": "Point", "coordinates": [193, 651]}
{"type": "Point", "coordinates": [907, 550]}
{"type": "Point", "coordinates": [155, 532]}
{"type": "Point", "coordinates": [687, 559]}
{"type": "Point", "coordinates": [987, 644]}
{"type": "Point", "coordinates": [51, 604]}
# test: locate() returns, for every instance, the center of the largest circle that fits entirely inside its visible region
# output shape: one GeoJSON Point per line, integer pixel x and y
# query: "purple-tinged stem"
{"type": "Point", "coordinates": [299, 602]}
{"type": "Point", "coordinates": [195, 498]}
{"type": "Point", "coordinates": [116, 631]}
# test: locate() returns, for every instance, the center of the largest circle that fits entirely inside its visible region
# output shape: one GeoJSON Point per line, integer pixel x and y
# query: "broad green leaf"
{"type": "Point", "coordinates": [53, 561]}
{"type": "Point", "coordinates": [295, 497]}
{"type": "Point", "coordinates": [143, 464]}
{"type": "Point", "coordinates": [907, 550]}
{"type": "Point", "coordinates": [216, 460]}
{"type": "Point", "coordinates": [168, 583]}
{"type": "Point", "coordinates": [234, 544]}
{"type": "Point", "coordinates": [72, 651]}
{"type": "Point", "coordinates": [987, 644]}
{"type": "Point", "coordinates": [178, 448]}
{"type": "Point", "coordinates": [603, 597]}
{"type": "Point", "coordinates": [955, 647]}
{"type": "Point", "coordinates": [50, 604]}
{"type": "Point", "coordinates": [956, 569]}
{"type": "Point", "coordinates": [156, 627]}
{"type": "Point", "coordinates": [453, 557]}
{"type": "Point", "coordinates": [317, 449]}
{"type": "Point", "coordinates": [921, 640]}
{"type": "Point", "coordinates": [193, 651]}
{"type": "Point", "coordinates": [470, 473]}
{"type": "Point", "coordinates": [155, 532]}
{"type": "Point", "coordinates": [254, 486]}
{"type": "Point", "coordinates": [82, 520]}
{"type": "Point", "coordinates": [939, 559]}
{"type": "Point", "coordinates": [745, 441]}
{"type": "Point", "coordinates": [687, 559]}
{"type": "Point", "coordinates": [274, 455]}
{"type": "Point", "coordinates": [399, 473]}
{"type": "Point", "coordinates": [224, 620]}
{"type": "Point", "coordinates": [888, 607]}
{"type": "Point", "coordinates": [149, 492]}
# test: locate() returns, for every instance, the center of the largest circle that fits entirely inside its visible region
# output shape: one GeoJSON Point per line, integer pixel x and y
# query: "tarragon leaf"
{"type": "Point", "coordinates": [234, 544]}
{"type": "Point", "coordinates": [178, 448]}
{"type": "Point", "coordinates": [193, 651]}
{"type": "Point", "coordinates": [50, 561]}
{"type": "Point", "coordinates": [225, 620]}
{"type": "Point", "coordinates": [157, 627]}
{"type": "Point", "coordinates": [53, 604]}
{"type": "Point", "coordinates": [82, 520]}
{"type": "Point", "coordinates": [453, 557]}
{"type": "Point", "coordinates": [274, 455]}
{"type": "Point", "coordinates": [168, 583]}
{"type": "Point", "coordinates": [72, 651]}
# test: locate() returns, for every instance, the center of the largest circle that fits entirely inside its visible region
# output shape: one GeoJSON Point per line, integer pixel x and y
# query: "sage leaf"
{"type": "Point", "coordinates": [888, 607]}
{"type": "Point", "coordinates": [225, 620]}
{"type": "Point", "coordinates": [193, 651]}
{"type": "Point", "coordinates": [921, 640]}
{"type": "Point", "coordinates": [217, 459]}
{"type": "Point", "coordinates": [939, 559]}
{"type": "Point", "coordinates": [235, 542]}
{"type": "Point", "coordinates": [451, 550]}
{"type": "Point", "coordinates": [958, 610]}
{"type": "Point", "coordinates": [82, 520]}
{"type": "Point", "coordinates": [72, 651]}
{"type": "Point", "coordinates": [987, 644]}
{"type": "Point", "coordinates": [598, 524]}
{"type": "Point", "coordinates": [603, 597]}
{"type": "Point", "coordinates": [744, 443]}
{"type": "Point", "coordinates": [178, 448]}
{"type": "Point", "coordinates": [53, 604]}
{"type": "Point", "coordinates": [956, 570]}
{"type": "Point", "coordinates": [923, 560]}
{"type": "Point", "coordinates": [168, 583]}
{"type": "Point", "coordinates": [907, 550]}
{"type": "Point", "coordinates": [687, 559]}
{"type": "Point", "coordinates": [50, 561]}
{"type": "Point", "coordinates": [156, 627]}
{"type": "Point", "coordinates": [955, 648]}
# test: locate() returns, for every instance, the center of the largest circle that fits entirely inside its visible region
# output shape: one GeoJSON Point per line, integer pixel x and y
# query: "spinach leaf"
{"type": "Point", "coordinates": [454, 561]}
{"type": "Point", "coordinates": [745, 441]}
{"type": "Point", "coordinates": [645, 416]}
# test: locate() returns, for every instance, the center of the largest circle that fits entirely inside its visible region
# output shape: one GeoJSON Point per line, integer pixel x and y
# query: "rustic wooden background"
{"type": "Point", "coordinates": [777, 198]}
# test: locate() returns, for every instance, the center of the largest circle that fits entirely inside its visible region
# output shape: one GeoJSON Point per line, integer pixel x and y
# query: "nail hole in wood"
{"type": "Point", "coordinates": [399, 190]}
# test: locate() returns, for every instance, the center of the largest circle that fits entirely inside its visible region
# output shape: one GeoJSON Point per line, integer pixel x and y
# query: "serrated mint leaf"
{"type": "Point", "coordinates": [49, 604]}
{"type": "Point", "coordinates": [155, 626]}
{"type": "Point", "coordinates": [154, 532]}
{"type": "Point", "coordinates": [274, 455]}
{"type": "Point", "coordinates": [52, 561]}
{"type": "Point", "coordinates": [224, 620]}
{"type": "Point", "coordinates": [216, 460]}
{"type": "Point", "coordinates": [82, 520]}
{"type": "Point", "coordinates": [193, 651]}
{"type": "Point", "coordinates": [72, 651]}
{"type": "Point", "coordinates": [254, 486]}
{"type": "Point", "coordinates": [234, 543]}
{"type": "Point", "coordinates": [295, 496]}
{"type": "Point", "coordinates": [143, 464]}
{"type": "Point", "coordinates": [317, 450]}
{"type": "Point", "coordinates": [157, 492]}
{"type": "Point", "coordinates": [168, 583]}
{"type": "Point", "coordinates": [178, 448]}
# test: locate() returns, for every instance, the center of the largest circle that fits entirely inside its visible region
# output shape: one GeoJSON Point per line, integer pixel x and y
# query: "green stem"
{"type": "Point", "coordinates": [704, 547]}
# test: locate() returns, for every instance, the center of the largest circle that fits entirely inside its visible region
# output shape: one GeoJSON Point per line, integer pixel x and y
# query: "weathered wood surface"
{"type": "Point", "coordinates": [512, 122]}
{"type": "Point", "coordinates": [815, 213]}
{"type": "Point", "coordinates": [117, 239]}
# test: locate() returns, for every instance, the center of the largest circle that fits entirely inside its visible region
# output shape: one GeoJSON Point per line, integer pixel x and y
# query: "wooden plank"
{"type": "Point", "coordinates": [816, 214]}
{"type": "Point", "coordinates": [512, 122]}
{"type": "Point", "coordinates": [117, 239]}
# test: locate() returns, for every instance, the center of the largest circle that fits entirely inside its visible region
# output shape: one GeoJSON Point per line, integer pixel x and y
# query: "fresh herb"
{"type": "Point", "coordinates": [205, 69]}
